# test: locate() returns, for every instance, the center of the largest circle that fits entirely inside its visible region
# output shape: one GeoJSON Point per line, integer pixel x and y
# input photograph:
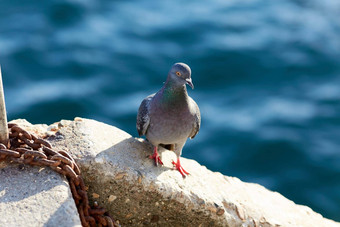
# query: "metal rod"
{"type": "Point", "coordinates": [3, 115]}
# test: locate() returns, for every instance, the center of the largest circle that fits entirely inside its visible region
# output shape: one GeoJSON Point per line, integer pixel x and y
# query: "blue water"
{"type": "Point", "coordinates": [266, 75]}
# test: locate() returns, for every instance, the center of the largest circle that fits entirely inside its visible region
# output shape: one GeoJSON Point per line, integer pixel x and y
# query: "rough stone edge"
{"type": "Point", "coordinates": [238, 214]}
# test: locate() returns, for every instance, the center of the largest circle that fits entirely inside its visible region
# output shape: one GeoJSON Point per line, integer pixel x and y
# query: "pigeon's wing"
{"type": "Point", "coordinates": [143, 118]}
{"type": "Point", "coordinates": [197, 123]}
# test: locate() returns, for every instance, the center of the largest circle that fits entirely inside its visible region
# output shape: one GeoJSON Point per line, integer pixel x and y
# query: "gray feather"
{"type": "Point", "coordinates": [143, 117]}
{"type": "Point", "coordinates": [197, 123]}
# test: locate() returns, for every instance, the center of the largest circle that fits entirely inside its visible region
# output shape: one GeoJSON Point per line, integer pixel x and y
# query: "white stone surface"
{"type": "Point", "coordinates": [34, 196]}
{"type": "Point", "coordinates": [137, 193]}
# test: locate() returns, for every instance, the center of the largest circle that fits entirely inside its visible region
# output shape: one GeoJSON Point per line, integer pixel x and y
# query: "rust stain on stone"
{"type": "Point", "coordinates": [120, 175]}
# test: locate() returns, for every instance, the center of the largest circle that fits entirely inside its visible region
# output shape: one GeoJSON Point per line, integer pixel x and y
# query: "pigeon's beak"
{"type": "Point", "coordinates": [189, 82]}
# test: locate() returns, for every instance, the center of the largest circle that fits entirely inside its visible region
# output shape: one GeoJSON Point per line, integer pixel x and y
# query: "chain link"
{"type": "Point", "coordinates": [26, 148]}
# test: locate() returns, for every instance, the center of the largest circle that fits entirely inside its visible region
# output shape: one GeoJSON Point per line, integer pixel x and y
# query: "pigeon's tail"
{"type": "Point", "coordinates": [170, 147]}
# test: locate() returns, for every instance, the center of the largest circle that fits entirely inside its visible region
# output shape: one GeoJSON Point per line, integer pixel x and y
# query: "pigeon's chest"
{"type": "Point", "coordinates": [168, 125]}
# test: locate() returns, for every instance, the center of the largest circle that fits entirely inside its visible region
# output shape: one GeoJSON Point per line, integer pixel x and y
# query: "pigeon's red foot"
{"type": "Point", "coordinates": [178, 166]}
{"type": "Point", "coordinates": [156, 157]}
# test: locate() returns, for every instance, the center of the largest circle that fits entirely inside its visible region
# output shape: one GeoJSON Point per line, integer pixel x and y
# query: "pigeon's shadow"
{"type": "Point", "coordinates": [134, 153]}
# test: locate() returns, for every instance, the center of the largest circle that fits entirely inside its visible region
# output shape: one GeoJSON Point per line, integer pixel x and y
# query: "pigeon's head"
{"type": "Point", "coordinates": [181, 74]}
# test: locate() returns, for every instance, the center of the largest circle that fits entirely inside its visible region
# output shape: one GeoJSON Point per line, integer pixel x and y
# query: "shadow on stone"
{"type": "Point", "coordinates": [33, 196]}
{"type": "Point", "coordinates": [17, 182]}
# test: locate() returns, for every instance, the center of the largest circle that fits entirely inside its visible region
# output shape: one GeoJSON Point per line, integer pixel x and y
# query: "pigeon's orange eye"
{"type": "Point", "coordinates": [178, 73]}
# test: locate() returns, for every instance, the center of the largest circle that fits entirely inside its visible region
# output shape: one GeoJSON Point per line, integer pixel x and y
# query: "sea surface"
{"type": "Point", "coordinates": [266, 75]}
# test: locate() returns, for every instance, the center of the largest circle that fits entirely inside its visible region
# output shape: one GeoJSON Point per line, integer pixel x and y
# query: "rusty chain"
{"type": "Point", "coordinates": [26, 148]}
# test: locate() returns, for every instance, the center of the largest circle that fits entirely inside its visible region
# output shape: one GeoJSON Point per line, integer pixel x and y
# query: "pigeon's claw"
{"type": "Point", "coordinates": [179, 167]}
{"type": "Point", "coordinates": [156, 157]}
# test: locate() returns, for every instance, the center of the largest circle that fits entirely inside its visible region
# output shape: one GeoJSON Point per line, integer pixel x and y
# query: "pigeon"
{"type": "Point", "coordinates": [169, 117]}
